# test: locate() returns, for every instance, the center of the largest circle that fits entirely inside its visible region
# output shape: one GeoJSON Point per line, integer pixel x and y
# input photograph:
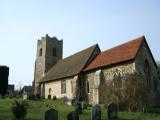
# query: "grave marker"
{"type": "Point", "coordinates": [51, 114]}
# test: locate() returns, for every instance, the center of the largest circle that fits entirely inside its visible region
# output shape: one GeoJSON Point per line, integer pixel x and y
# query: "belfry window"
{"type": "Point", "coordinates": [40, 52]}
{"type": "Point", "coordinates": [54, 52]}
{"type": "Point", "coordinates": [63, 86]}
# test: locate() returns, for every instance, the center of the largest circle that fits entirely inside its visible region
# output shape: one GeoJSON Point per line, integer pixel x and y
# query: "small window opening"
{"type": "Point", "coordinates": [54, 52]}
{"type": "Point", "coordinates": [40, 52]}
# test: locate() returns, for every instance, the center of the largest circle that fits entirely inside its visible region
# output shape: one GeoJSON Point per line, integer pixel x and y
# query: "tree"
{"type": "Point", "coordinates": [129, 97]}
{"type": "Point", "coordinates": [19, 109]}
{"type": "Point", "coordinates": [4, 73]}
{"type": "Point", "coordinates": [158, 70]}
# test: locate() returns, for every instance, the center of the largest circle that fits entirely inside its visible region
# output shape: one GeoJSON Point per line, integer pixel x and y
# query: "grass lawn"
{"type": "Point", "coordinates": [37, 110]}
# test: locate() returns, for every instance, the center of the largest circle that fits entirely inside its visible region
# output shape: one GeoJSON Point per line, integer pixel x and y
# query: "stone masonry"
{"type": "Point", "coordinates": [45, 58]}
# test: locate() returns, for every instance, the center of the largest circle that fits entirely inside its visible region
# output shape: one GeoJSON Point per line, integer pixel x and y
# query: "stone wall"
{"type": "Point", "coordinates": [46, 60]}
{"type": "Point", "coordinates": [142, 56]}
{"type": "Point", "coordinates": [105, 76]}
{"type": "Point", "coordinates": [150, 77]}
{"type": "Point", "coordinates": [108, 73]}
{"type": "Point", "coordinates": [56, 88]}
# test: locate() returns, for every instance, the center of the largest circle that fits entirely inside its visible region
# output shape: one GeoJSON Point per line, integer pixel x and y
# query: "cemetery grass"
{"type": "Point", "coordinates": [36, 111]}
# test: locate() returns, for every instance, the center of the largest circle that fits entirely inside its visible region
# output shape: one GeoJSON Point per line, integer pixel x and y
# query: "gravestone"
{"type": "Point", "coordinates": [96, 112]}
{"type": "Point", "coordinates": [65, 100]}
{"type": "Point", "coordinates": [49, 97]}
{"type": "Point", "coordinates": [112, 111]}
{"type": "Point", "coordinates": [51, 114]}
{"type": "Point", "coordinates": [25, 96]}
{"type": "Point", "coordinates": [83, 105]}
{"type": "Point", "coordinates": [73, 115]}
{"type": "Point", "coordinates": [77, 107]}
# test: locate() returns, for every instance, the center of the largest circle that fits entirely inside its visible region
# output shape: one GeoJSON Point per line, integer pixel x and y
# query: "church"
{"type": "Point", "coordinates": [81, 74]}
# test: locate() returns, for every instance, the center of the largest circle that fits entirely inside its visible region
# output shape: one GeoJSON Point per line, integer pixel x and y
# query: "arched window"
{"type": "Point", "coordinates": [63, 86]}
{"type": "Point", "coordinates": [147, 72]}
{"type": "Point", "coordinates": [40, 52]}
{"type": "Point", "coordinates": [49, 91]}
{"type": "Point", "coordinates": [118, 74]}
{"type": "Point", "coordinates": [54, 52]}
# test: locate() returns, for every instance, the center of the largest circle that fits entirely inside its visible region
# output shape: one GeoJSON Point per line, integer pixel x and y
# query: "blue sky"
{"type": "Point", "coordinates": [80, 23]}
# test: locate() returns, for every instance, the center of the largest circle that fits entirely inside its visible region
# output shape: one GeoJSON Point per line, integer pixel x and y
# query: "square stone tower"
{"type": "Point", "coordinates": [49, 52]}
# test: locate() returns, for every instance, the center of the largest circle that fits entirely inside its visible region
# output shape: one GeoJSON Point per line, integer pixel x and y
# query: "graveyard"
{"type": "Point", "coordinates": [37, 108]}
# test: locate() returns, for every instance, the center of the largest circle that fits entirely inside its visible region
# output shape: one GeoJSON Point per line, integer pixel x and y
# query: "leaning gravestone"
{"type": "Point", "coordinates": [51, 114]}
{"type": "Point", "coordinates": [112, 111]}
{"type": "Point", "coordinates": [74, 115]}
{"type": "Point", "coordinates": [96, 112]}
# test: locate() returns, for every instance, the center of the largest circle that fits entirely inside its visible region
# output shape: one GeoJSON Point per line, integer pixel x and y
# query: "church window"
{"type": "Point", "coordinates": [147, 72]}
{"type": "Point", "coordinates": [118, 78]}
{"type": "Point", "coordinates": [63, 86]}
{"type": "Point", "coordinates": [49, 91]}
{"type": "Point", "coordinates": [40, 52]}
{"type": "Point", "coordinates": [54, 52]}
{"type": "Point", "coordinates": [155, 84]}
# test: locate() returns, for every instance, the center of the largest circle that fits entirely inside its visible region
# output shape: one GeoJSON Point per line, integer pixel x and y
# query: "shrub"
{"type": "Point", "coordinates": [19, 109]}
{"type": "Point", "coordinates": [131, 96]}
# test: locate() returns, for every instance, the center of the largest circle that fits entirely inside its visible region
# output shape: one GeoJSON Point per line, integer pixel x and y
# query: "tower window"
{"type": "Point", "coordinates": [40, 52]}
{"type": "Point", "coordinates": [54, 52]}
{"type": "Point", "coordinates": [63, 87]}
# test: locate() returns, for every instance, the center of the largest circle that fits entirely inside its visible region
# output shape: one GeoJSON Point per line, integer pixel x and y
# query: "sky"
{"type": "Point", "coordinates": [80, 23]}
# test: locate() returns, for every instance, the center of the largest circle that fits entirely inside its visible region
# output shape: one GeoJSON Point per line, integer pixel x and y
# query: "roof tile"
{"type": "Point", "coordinates": [121, 53]}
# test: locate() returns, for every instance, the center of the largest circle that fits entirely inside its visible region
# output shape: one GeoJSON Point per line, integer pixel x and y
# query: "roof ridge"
{"type": "Point", "coordinates": [132, 40]}
{"type": "Point", "coordinates": [70, 65]}
{"type": "Point", "coordinates": [80, 51]}
{"type": "Point", "coordinates": [123, 52]}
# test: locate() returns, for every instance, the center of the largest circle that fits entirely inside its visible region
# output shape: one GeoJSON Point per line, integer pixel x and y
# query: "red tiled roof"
{"type": "Point", "coordinates": [121, 53]}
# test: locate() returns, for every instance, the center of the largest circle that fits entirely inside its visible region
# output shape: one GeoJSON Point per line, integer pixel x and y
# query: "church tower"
{"type": "Point", "coordinates": [49, 52]}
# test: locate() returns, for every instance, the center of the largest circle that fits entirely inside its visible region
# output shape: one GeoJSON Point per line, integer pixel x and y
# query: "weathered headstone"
{"type": "Point", "coordinates": [83, 105]}
{"type": "Point", "coordinates": [112, 111]}
{"type": "Point", "coordinates": [25, 96]}
{"type": "Point", "coordinates": [73, 115]}
{"type": "Point", "coordinates": [77, 107]}
{"type": "Point", "coordinates": [49, 97]}
{"type": "Point", "coordinates": [65, 100]}
{"type": "Point", "coordinates": [51, 114]}
{"type": "Point", "coordinates": [96, 112]}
